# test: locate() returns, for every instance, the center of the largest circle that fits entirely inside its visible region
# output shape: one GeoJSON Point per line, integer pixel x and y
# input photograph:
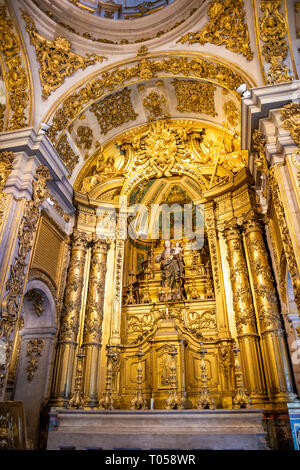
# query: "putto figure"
{"type": "Point", "coordinates": [172, 267]}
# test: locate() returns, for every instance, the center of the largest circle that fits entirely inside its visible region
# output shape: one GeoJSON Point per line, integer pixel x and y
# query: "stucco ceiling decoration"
{"type": "Point", "coordinates": [121, 9]}
{"type": "Point", "coordinates": [84, 25]}
{"type": "Point", "coordinates": [114, 113]}
{"type": "Point", "coordinates": [141, 70]}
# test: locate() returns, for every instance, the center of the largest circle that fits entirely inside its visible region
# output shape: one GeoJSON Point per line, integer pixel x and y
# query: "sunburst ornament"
{"type": "Point", "coordinates": [161, 147]}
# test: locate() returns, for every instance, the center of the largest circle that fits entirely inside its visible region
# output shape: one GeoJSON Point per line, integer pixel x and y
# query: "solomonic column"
{"type": "Point", "coordinates": [244, 314]}
{"type": "Point", "coordinates": [92, 333]}
{"type": "Point", "coordinates": [68, 339]}
{"type": "Point", "coordinates": [275, 355]}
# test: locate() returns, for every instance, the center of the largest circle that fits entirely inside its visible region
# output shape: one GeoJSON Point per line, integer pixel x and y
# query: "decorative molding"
{"type": "Point", "coordinates": [37, 300]}
{"type": "Point", "coordinates": [6, 166]}
{"type": "Point", "coordinates": [16, 79]}
{"type": "Point", "coordinates": [114, 110]}
{"type": "Point", "coordinates": [154, 102]}
{"type": "Point", "coordinates": [12, 300]}
{"type": "Point", "coordinates": [195, 96]}
{"type": "Point", "coordinates": [57, 61]}
{"type": "Point", "coordinates": [34, 351]}
{"type": "Point", "coordinates": [290, 115]}
{"type": "Point", "coordinates": [226, 27]}
{"type": "Point", "coordinates": [232, 113]}
{"type": "Point", "coordinates": [67, 154]}
{"type": "Point", "coordinates": [84, 137]}
{"type": "Point", "coordinates": [144, 69]}
{"type": "Point", "coordinates": [122, 41]}
{"type": "Point", "coordinates": [272, 30]}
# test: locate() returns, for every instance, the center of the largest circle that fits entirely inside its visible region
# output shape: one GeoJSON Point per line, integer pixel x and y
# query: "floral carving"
{"type": "Point", "coordinates": [57, 61]}
{"type": "Point", "coordinates": [273, 28]}
{"type": "Point", "coordinates": [67, 154]}
{"type": "Point", "coordinates": [114, 110]}
{"type": "Point", "coordinates": [6, 161]}
{"type": "Point", "coordinates": [34, 351]}
{"type": "Point", "coordinates": [95, 88]}
{"type": "Point", "coordinates": [154, 103]}
{"type": "Point", "coordinates": [226, 26]}
{"type": "Point", "coordinates": [16, 77]}
{"type": "Point", "coordinates": [290, 114]}
{"type": "Point", "coordinates": [195, 96]}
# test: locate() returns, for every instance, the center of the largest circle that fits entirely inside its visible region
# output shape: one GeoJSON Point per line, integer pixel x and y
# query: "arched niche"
{"type": "Point", "coordinates": [36, 356]}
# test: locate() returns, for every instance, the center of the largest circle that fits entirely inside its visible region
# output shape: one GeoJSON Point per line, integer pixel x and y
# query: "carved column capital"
{"type": "Point", "coordinates": [231, 230]}
{"type": "Point", "coordinates": [79, 239]}
{"type": "Point", "coordinates": [100, 244]}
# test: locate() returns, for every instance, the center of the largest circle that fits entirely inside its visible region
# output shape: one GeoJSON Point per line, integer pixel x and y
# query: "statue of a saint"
{"type": "Point", "coordinates": [172, 267]}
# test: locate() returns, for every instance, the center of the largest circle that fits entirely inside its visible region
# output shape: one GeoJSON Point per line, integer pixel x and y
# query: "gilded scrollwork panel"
{"type": "Point", "coordinates": [57, 61]}
{"type": "Point", "coordinates": [114, 110]}
{"type": "Point", "coordinates": [272, 31]}
{"type": "Point", "coordinates": [144, 69]}
{"type": "Point", "coordinates": [34, 352]}
{"type": "Point", "coordinates": [15, 75]}
{"type": "Point", "coordinates": [226, 27]}
{"type": "Point", "coordinates": [13, 298]}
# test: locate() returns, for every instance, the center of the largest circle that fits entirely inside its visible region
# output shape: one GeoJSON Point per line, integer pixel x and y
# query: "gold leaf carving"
{"type": "Point", "coordinates": [291, 120]}
{"type": "Point", "coordinates": [16, 78]}
{"type": "Point", "coordinates": [34, 351]}
{"type": "Point", "coordinates": [272, 29]}
{"type": "Point", "coordinates": [226, 27]}
{"type": "Point", "coordinates": [85, 137]}
{"type": "Point", "coordinates": [26, 234]}
{"type": "Point", "coordinates": [231, 112]}
{"type": "Point", "coordinates": [57, 61]}
{"type": "Point", "coordinates": [195, 97]}
{"type": "Point", "coordinates": [154, 103]}
{"type": "Point", "coordinates": [67, 154]}
{"type": "Point", "coordinates": [114, 110]}
{"type": "Point", "coordinates": [6, 160]}
{"type": "Point", "coordinates": [95, 88]}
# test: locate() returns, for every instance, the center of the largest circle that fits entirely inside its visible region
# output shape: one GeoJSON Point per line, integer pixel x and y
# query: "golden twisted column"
{"type": "Point", "coordinates": [274, 349]}
{"type": "Point", "coordinates": [92, 333]}
{"type": "Point", "coordinates": [244, 314]}
{"type": "Point", "coordinates": [68, 339]}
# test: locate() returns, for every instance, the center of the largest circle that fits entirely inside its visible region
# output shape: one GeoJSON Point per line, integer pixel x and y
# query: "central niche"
{"type": "Point", "coordinates": [168, 293]}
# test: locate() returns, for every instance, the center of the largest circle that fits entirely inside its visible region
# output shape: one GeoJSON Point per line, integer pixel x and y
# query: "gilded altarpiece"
{"type": "Point", "coordinates": [154, 327]}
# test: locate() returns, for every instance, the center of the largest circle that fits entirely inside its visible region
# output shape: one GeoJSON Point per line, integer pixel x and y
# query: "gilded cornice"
{"type": "Point", "coordinates": [226, 27]}
{"type": "Point", "coordinates": [57, 61]}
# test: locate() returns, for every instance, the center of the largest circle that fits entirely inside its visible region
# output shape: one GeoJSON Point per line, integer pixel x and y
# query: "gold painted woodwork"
{"type": "Point", "coordinates": [18, 273]}
{"type": "Point", "coordinates": [6, 166]}
{"type": "Point", "coordinates": [278, 377]}
{"type": "Point", "coordinates": [70, 316]}
{"type": "Point", "coordinates": [272, 31]}
{"type": "Point", "coordinates": [244, 313]}
{"type": "Point", "coordinates": [57, 61]}
{"type": "Point", "coordinates": [144, 69]}
{"type": "Point", "coordinates": [195, 96]}
{"type": "Point", "coordinates": [92, 332]}
{"type": "Point", "coordinates": [114, 110]}
{"type": "Point", "coordinates": [15, 74]}
{"type": "Point", "coordinates": [226, 26]}
{"type": "Point", "coordinates": [48, 250]}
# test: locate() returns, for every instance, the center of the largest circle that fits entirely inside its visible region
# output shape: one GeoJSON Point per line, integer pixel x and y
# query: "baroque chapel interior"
{"type": "Point", "coordinates": [149, 224]}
